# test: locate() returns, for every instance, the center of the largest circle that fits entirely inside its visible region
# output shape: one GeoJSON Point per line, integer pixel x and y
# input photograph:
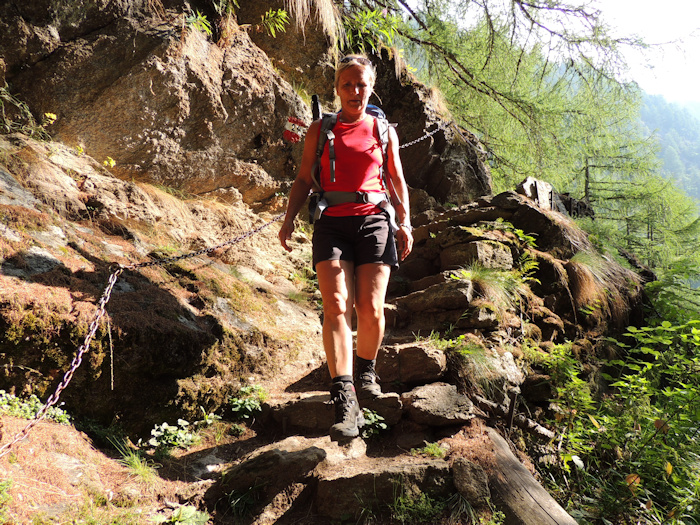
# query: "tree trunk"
{"type": "Point", "coordinates": [518, 494]}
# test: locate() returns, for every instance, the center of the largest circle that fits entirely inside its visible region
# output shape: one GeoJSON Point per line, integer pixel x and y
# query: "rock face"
{"type": "Point", "coordinates": [458, 252]}
{"type": "Point", "coordinates": [67, 225]}
{"type": "Point", "coordinates": [171, 108]}
{"type": "Point", "coordinates": [176, 109]}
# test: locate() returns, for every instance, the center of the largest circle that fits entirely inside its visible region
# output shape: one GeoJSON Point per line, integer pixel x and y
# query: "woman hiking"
{"type": "Point", "coordinates": [354, 242]}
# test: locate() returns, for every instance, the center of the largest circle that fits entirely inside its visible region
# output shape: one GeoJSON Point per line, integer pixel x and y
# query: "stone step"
{"type": "Point", "coordinates": [434, 405]}
{"type": "Point", "coordinates": [340, 480]}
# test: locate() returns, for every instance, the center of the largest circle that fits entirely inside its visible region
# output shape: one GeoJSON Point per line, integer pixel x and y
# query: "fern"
{"type": "Point", "coordinates": [274, 21]}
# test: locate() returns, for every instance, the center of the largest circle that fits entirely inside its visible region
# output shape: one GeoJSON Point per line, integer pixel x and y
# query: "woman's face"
{"type": "Point", "coordinates": [354, 89]}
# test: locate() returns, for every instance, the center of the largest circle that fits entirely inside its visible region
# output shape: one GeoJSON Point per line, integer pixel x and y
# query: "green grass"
{"type": "Point", "coordinates": [433, 450]}
{"type": "Point", "coordinates": [142, 468]}
{"type": "Point", "coordinates": [5, 498]}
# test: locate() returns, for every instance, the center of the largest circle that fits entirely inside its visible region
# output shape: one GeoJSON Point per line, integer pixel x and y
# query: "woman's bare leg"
{"type": "Point", "coordinates": [336, 283]}
{"type": "Point", "coordinates": [371, 281]}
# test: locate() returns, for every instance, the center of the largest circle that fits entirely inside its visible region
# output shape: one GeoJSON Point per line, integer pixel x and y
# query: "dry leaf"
{"type": "Point", "coordinates": [661, 426]}
{"type": "Point", "coordinates": [633, 481]}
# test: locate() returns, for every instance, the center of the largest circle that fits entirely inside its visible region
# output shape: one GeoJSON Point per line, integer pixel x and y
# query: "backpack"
{"type": "Point", "coordinates": [320, 200]}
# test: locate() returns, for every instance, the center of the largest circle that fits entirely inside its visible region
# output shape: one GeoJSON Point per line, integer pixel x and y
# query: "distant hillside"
{"type": "Point", "coordinates": [694, 108]}
{"type": "Point", "coordinates": [678, 129]}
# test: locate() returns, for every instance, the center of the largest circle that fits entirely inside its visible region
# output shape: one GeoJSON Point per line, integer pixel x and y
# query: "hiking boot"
{"type": "Point", "coordinates": [367, 380]}
{"type": "Point", "coordinates": [348, 414]}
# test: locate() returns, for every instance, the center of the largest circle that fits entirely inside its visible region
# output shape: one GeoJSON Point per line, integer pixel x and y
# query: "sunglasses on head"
{"type": "Point", "coordinates": [360, 60]}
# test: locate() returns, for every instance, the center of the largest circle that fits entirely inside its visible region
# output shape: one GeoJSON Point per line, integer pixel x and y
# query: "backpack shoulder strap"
{"type": "Point", "coordinates": [328, 122]}
{"type": "Point", "coordinates": [383, 132]}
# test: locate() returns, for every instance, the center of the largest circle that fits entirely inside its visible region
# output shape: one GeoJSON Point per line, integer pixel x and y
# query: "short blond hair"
{"type": "Point", "coordinates": [355, 60]}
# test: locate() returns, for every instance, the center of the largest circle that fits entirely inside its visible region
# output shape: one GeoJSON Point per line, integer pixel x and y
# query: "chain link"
{"type": "Point", "coordinates": [170, 260]}
{"type": "Point", "coordinates": [100, 312]}
{"type": "Point", "coordinates": [441, 126]}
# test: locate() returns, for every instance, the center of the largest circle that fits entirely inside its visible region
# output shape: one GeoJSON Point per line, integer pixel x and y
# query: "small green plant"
{"type": "Point", "coordinates": [415, 508]}
{"type": "Point", "coordinates": [5, 486]}
{"type": "Point", "coordinates": [208, 418]}
{"type": "Point", "coordinates": [199, 22]}
{"type": "Point", "coordinates": [29, 408]}
{"type": "Point", "coordinates": [142, 468]}
{"type": "Point", "coordinates": [366, 514]}
{"type": "Point", "coordinates": [497, 518]}
{"type": "Point", "coordinates": [16, 117]}
{"type": "Point", "coordinates": [236, 430]}
{"type": "Point", "coordinates": [186, 514]}
{"type": "Point", "coordinates": [226, 24]}
{"type": "Point", "coordinates": [504, 225]}
{"type": "Point", "coordinates": [248, 403]}
{"type": "Point", "coordinates": [374, 424]}
{"type": "Point", "coordinates": [307, 280]}
{"type": "Point", "coordinates": [433, 450]}
{"type": "Point", "coordinates": [168, 437]}
{"type": "Point", "coordinates": [274, 20]}
{"type": "Point", "coordinates": [226, 7]}
{"type": "Point", "coordinates": [242, 502]}
{"type": "Point", "coordinates": [461, 511]}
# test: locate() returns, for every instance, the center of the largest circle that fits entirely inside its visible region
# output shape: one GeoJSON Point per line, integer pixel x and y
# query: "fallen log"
{"type": "Point", "coordinates": [517, 493]}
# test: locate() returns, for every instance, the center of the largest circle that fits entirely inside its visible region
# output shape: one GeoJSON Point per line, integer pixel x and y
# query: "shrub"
{"type": "Point", "coordinates": [29, 408]}
{"type": "Point", "coordinates": [634, 454]}
{"type": "Point", "coordinates": [248, 403]}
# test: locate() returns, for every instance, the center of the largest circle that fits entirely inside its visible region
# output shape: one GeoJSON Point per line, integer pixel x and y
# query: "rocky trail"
{"type": "Point", "coordinates": [451, 368]}
{"type": "Point", "coordinates": [285, 469]}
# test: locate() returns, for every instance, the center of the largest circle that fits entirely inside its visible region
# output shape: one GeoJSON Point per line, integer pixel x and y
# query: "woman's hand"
{"type": "Point", "coordinates": [404, 241]}
{"type": "Point", "coordinates": [285, 234]}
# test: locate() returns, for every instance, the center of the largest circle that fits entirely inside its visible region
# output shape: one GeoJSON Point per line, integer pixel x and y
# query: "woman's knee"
{"type": "Point", "coordinates": [336, 306]}
{"type": "Point", "coordinates": [370, 311]}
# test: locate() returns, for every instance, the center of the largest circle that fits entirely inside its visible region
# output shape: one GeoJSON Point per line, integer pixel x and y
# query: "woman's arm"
{"type": "Point", "coordinates": [404, 236]}
{"type": "Point", "coordinates": [302, 184]}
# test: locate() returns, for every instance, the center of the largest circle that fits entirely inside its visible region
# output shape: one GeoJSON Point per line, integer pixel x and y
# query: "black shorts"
{"type": "Point", "coordinates": [363, 239]}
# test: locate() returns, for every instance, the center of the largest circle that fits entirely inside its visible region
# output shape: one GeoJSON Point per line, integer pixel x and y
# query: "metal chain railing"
{"type": "Point", "coordinates": [441, 126]}
{"type": "Point", "coordinates": [170, 260]}
{"type": "Point", "coordinates": [100, 312]}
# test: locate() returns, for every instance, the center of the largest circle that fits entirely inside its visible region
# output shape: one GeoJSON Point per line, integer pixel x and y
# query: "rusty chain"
{"type": "Point", "coordinates": [100, 312]}
{"type": "Point", "coordinates": [170, 260]}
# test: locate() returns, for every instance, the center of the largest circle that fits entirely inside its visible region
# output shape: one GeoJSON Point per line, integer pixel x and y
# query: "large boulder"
{"type": "Point", "coordinates": [449, 164]}
{"type": "Point", "coordinates": [171, 107]}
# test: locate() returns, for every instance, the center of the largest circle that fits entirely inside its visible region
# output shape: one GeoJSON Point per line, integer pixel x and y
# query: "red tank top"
{"type": "Point", "coordinates": [358, 162]}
